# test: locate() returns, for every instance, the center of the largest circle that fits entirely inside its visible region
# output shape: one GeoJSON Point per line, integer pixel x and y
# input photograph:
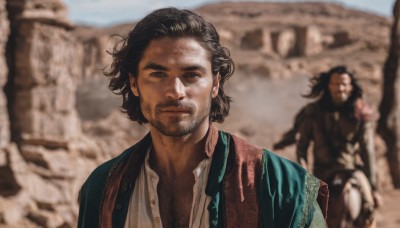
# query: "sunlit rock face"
{"type": "Point", "coordinates": [4, 32]}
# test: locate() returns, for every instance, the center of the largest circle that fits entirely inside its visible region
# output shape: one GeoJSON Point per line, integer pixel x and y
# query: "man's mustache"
{"type": "Point", "coordinates": [183, 105]}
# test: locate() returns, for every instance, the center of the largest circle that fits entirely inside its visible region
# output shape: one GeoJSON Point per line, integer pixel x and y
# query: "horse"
{"type": "Point", "coordinates": [350, 201]}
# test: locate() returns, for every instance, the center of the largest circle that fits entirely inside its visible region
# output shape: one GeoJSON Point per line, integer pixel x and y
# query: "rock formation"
{"type": "Point", "coordinates": [38, 162]}
{"type": "Point", "coordinates": [4, 32]}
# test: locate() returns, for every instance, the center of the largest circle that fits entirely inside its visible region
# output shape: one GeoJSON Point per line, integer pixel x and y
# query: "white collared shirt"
{"type": "Point", "coordinates": [144, 212]}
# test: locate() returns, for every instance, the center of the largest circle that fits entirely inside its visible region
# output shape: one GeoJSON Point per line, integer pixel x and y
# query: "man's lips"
{"type": "Point", "coordinates": [175, 107]}
{"type": "Point", "coordinates": [176, 110]}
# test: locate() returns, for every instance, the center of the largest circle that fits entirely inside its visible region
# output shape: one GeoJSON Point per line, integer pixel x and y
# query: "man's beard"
{"type": "Point", "coordinates": [179, 131]}
{"type": "Point", "coordinates": [172, 129]}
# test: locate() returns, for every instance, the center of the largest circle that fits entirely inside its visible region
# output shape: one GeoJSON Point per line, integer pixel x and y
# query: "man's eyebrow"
{"type": "Point", "coordinates": [154, 66]}
{"type": "Point", "coordinates": [194, 67]}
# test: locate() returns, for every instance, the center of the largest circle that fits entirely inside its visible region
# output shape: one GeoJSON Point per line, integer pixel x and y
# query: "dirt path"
{"type": "Point", "coordinates": [389, 215]}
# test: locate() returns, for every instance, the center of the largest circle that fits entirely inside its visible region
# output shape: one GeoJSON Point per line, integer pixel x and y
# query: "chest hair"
{"type": "Point", "coordinates": [175, 200]}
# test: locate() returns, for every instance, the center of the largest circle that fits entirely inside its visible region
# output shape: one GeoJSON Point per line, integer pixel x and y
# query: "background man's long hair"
{"type": "Point", "coordinates": [319, 89]}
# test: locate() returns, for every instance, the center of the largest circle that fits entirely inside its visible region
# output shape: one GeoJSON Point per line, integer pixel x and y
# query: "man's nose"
{"type": "Point", "coordinates": [175, 89]}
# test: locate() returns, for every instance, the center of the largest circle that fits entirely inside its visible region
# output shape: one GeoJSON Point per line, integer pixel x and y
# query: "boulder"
{"type": "Point", "coordinates": [14, 209]}
{"type": "Point", "coordinates": [45, 218]}
{"type": "Point", "coordinates": [40, 190]}
{"type": "Point", "coordinates": [55, 163]}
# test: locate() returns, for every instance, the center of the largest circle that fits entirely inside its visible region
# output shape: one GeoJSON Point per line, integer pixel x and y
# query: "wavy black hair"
{"type": "Point", "coordinates": [167, 22]}
{"type": "Point", "coordinates": [319, 89]}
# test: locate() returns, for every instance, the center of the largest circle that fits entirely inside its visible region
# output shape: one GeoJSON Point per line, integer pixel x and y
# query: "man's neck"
{"type": "Point", "coordinates": [175, 156]}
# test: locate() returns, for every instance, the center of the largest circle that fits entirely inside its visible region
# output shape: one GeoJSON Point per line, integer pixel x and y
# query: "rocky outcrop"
{"type": "Point", "coordinates": [46, 71]}
{"type": "Point", "coordinates": [37, 171]}
{"type": "Point", "coordinates": [288, 42]}
{"type": "Point", "coordinates": [4, 32]}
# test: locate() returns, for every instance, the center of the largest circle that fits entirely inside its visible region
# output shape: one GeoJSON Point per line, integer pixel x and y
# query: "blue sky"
{"type": "Point", "coordinates": [109, 12]}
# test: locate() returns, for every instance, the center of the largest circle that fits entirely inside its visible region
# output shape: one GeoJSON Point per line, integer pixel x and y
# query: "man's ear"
{"type": "Point", "coordinates": [133, 84]}
{"type": "Point", "coordinates": [215, 87]}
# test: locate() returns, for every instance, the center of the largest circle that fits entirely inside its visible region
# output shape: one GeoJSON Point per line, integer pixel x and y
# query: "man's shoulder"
{"type": "Point", "coordinates": [311, 108]}
{"type": "Point", "coordinates": [308, 111]}
{"type": "Point", "coordinates": [91, 192]}
{"type": "Point", "coordinates": [282, 181]}
{"type": "Point", "coordinates": [285, 166]}
{"type": "Point", "coordinates": [289, 175]}
{"type": "Point", "coordinates": [291, 180]}
{"type": "Point", "coordinates": [248, 152]}
{"type": "Point", "coordinates": [99, 175]}
{"type": "Point", "coordinates": [245, 150]}
{"type": "Point", "coordinates": [107, 165]}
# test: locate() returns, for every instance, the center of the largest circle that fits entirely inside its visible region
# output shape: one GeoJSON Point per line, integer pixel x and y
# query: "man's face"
{"type": "Point", "coordinates": [175, 85]}
{"type": "Point", "coordinates": [340, 88]}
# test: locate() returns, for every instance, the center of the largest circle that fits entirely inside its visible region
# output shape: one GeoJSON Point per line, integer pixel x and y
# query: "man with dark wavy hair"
{"type": "Point", "coordinates": [340, 126]}
{"type": "Point", "coordinates": [170, 71]}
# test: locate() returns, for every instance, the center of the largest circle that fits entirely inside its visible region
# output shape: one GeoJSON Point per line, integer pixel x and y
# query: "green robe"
{"type": "Point", "coordinates": [248, 186]}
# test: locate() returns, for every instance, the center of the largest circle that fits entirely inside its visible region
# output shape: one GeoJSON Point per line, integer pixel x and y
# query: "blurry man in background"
{"type": "Point", "coordinates": [341, 128]}
{"type": "Point", "coordinates": [170, 71]}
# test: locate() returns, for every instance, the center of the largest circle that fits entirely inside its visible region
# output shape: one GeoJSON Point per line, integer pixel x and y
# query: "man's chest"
{"type": "Point", "coordinates": [337, 127]}
{"type": "Point", "coordinates": [158, 201]}
{"type": "Point", "coordinates": [175, 201]}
